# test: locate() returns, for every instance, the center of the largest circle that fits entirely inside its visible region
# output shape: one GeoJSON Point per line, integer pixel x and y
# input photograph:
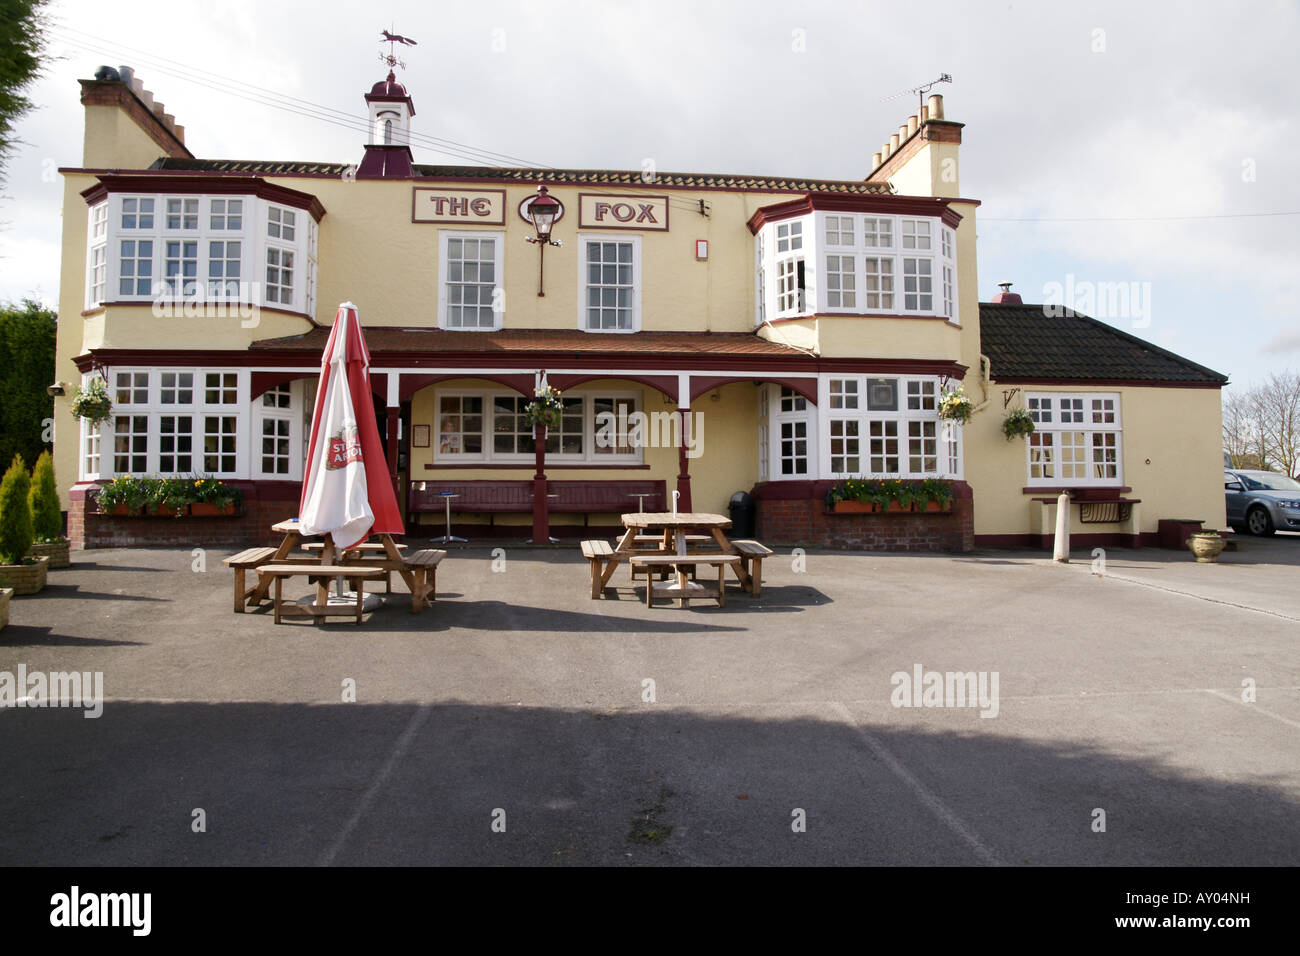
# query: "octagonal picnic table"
{"type": "Point", "coordinates": [677, 525]}
{"type": "Point", "coordinates": [391, 560]}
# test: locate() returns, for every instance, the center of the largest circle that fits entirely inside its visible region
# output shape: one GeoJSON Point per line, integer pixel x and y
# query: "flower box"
{"type": "Point", "coordinates": [56, 551]}
{"type": "Point", "coordinates": [25, 578]}
{"type": "Point", "coordinates": [206, 509]}
{"type": "Point", "coordinates": [855, 508]}
{"type": "Point", "coordinates": [167, 511]}
{"type": "Point", "coordinates": [120, 511]}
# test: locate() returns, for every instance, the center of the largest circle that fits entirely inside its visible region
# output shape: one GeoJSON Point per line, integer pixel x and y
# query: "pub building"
{"type": "Point", "coordinates": [710, 333]}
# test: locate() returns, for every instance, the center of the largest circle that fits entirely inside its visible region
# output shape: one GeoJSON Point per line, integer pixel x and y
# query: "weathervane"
{"type": "Point", "coordinates": [392, 39]}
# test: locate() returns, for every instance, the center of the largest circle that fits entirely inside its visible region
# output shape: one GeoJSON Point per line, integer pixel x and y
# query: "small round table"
{"type": "Point", "coordinates": [448, 537]}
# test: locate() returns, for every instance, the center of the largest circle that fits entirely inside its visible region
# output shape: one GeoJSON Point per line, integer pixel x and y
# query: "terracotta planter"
{"type": "Point", "coordinates": [936, 506]}
{"type": "Point", "coordinates": [5, 595]}
{"type": "Point", "coordinates": [120, 511]}
{"type": "Point", "coordinates": [56, 551]}
{"type": "Point", "coordinates": [167, 511]}
{"type": "Point", "coordinates": [855, 508]}
{"type": "Point", "coordinates": [205, 509]}
{"type": "Point", "coordinates": [24, 578]}
{"type": "Point", "coordinates": [1206, 547]}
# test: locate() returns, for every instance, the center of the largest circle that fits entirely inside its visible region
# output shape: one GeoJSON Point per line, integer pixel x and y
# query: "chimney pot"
{"type": "Point", "coordinates": [875, 160]}
{"type": "Point", "coordinates": [936, 106]}
{"type": "Point", "coordinates": [1006, 296]}
{"type": "Point", "coordinates": [912, 124]}
{"type": "Point", "coordinates": [893, 142]}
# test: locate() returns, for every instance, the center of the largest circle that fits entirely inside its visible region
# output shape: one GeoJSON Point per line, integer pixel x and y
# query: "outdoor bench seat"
{"type": "Point", "coordinates": [751, 555]}
{"type": "Point", "coordinates": [243, 562]}
{"type": "Point", "coordinates": [652, 562]}
{"type": "Point", "coordinates": [598, 553]}
{"type": "Point", "coordinates": [492, 497]}
{"type": "Point", "coordinates": [358, 550]}
{"type": "Point", "coordinates": [424, 565]}
{"type": "Point", "coordinates": [356, 574]}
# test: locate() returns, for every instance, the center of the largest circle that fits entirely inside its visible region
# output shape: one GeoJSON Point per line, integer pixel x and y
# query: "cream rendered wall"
{"type": "Point", "coordinates": [371, 253]}
{"type": "Point", "coordinates": [1176, 430]}
{"type": "Point", "coordinates": [114, 141]}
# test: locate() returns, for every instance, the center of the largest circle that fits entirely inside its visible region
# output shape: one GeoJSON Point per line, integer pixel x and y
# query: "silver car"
{"type": "Point", "coordinates": [1261, 502]}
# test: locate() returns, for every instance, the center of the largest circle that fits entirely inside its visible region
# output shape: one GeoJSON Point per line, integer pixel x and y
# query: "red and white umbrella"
{"type": "Point", "coordinates": [347, 491]}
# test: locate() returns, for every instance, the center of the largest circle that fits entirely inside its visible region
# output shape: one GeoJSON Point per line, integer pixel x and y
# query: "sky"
{"type": "Point", "coordinates": [1134, 159]}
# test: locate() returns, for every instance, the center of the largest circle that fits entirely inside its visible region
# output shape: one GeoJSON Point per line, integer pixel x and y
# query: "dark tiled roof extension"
{"type": "Point", "coordinates": [1030, 343]}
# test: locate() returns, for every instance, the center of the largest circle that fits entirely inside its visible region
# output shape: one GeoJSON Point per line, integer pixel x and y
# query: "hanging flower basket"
{"type": "Point", "coordinates": [1018, 424]}
{"type": "Point", "coordinates": [545, 408]}
{"type": "Point", "coordinates": [954, 406]}
{"type": "Point", "coordinates": [92, 403]}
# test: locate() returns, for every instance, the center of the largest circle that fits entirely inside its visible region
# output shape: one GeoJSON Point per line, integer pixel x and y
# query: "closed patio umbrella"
{"type": "Point", "coordinates": [347, 491]}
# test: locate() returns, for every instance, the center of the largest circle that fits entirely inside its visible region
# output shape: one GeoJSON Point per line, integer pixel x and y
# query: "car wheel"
{"type": "Point", "coordinates": [1258, 522]}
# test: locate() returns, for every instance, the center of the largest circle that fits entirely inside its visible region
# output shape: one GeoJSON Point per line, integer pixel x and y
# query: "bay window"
{"type": "Point", "coordinates": [886, 427]}
{"type": "Point", "coordinates": [855, 263]}
{"type": "Point", "coordinates": [200, 248]}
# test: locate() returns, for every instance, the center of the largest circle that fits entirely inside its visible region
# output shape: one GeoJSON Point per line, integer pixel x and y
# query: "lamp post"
{"type": "Point", "coordinates": [542, 213]}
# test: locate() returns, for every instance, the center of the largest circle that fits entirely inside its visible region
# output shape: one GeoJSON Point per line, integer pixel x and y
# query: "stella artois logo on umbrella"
{"type": "Point", "coordinates": [344, 447]}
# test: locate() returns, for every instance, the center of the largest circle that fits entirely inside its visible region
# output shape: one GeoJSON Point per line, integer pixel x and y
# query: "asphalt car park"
{"type": "Point", "coordinates": [520, 722]}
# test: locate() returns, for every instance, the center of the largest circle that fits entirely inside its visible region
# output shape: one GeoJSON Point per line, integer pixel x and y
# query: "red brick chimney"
{"type": "Point", "coordinates": [1006, 296]}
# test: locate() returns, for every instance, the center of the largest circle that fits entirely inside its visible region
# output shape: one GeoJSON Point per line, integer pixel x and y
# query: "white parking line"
{"type": "Point", "coordinates": [399, 749]}
{"type": "Point", "coordinates": [1255, 707]}
{"type": "Point", "coordinates": [923, 793]}
{"type": "Point", "coordinates": [1172, 590]}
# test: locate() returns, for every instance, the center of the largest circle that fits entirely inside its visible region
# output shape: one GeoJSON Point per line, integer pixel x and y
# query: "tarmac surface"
{"type": "Point", "coordinates": [520, 722]}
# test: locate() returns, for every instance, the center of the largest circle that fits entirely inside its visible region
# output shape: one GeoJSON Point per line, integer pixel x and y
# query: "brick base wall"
{"type": "Point", "coordinates": [794, 513]}
{"type": "Point", "coordinates": [264, 504]}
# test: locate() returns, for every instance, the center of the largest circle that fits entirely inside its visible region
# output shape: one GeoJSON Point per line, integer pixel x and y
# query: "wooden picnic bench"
{"type": "Point", "coordinates": [424, 565]}
{"type": "Point", "coordinates": [243, 562]}
{"type": "Point", "coordinates": [751, 555]}
{"type": "Point", "coordinates": [651, 562]}
{"type": "Point", "coordinates": [321, 574]}
{"type": "Point", "coordinates": [365, 549]}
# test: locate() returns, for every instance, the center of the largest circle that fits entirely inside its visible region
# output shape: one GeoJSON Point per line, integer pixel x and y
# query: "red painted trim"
{"type": "Point", "coordinates": [223, 184]}
{"type": "Point", "coordinates": [665, 385]}
{"type": "Point", "coordinates": [607, 364]}
{"type": "Point", "coordinates": [832, 202]}
{"type": "Point", "coordinates": [1082, 492]}
{"type": "Point", "coordinates": [260, 382]}
{"type": "Point", "coordinates": [1102, 539]}
{"type": "Point", "coordinates": [552, 466]}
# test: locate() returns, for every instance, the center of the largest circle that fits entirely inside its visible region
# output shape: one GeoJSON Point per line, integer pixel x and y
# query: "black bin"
{"type": "Point", "coordinates": [742, 515]}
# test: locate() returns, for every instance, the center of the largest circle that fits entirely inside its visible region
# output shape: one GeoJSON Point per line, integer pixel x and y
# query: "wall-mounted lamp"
{"type": "Point", "coordinates": [55, 390]}
{"type": "Point", "coordinates": [543, 211]}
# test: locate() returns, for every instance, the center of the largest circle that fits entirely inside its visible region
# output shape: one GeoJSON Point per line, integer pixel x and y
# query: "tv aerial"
{"type": "Point", "coordinates": [920, 91]}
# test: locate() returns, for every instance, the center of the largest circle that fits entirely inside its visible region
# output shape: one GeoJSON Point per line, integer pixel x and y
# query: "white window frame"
{"type": "Point", "coordinates": [948, 456]}
{"type": "Point", "coordinates": [153, 409]}
{"type": "Point", "coordinates": [498, 315]}
{"type": "Point", "coordinates": [488, 456]}
{"type": "Point", "coordinates": [293, 414]}
{"type": "Point", "coordinates": [792, 410]}
{"type": "Point", "coordinates": [637, 284]}
{"type": "Point", "coordinates": [1089, 427]}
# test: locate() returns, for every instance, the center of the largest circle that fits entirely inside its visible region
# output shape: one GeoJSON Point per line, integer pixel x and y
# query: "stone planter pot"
{"type": "Point", "coordinates": [205, 509]}
{"type": "Point", "coordinates": [56, 551]}
{"type": "Point", "coordinates": [1206, 547]}
{"type": "Point", "coordinates": [25, 578]}
{"type": "Point", "coordinates": [5, 595]}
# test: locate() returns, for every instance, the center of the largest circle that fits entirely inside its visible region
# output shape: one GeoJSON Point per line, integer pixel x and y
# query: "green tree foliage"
{"type": "Point", "coordinates": [26, 368]}
{"type": "Point", "coordinates": [22, 37]}
{"type": "Point", "coordinates": [47, 519]}
{"type": "Point", "coordinates": [15, 514]}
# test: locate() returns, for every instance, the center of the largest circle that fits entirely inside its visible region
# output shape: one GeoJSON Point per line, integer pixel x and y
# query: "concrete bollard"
{"type": "Point", "coordinates": [1061, 550]}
